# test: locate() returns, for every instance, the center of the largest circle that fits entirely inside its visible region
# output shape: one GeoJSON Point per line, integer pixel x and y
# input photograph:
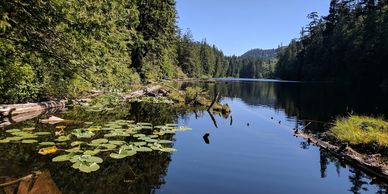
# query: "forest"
{"type": "Point", "coordinates": [56, 49]}
{"type": "Point", "coordinates": [350, 45]}
{"type": "Point", "coordinates": [63, 49]}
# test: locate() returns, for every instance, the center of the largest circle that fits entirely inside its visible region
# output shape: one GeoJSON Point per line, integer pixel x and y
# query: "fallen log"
{"type": "Point", "coordinates": [151, 91]}
{"type": "Point", "coordinates": [16, 109]}
{"type": "Point", "coordinates": [371, 164]}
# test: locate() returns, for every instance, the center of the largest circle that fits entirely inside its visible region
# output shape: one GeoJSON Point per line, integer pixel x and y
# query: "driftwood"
{"type": "Point", "coordinates": [150, 91]}
{"type": "Point", "coordinates": [371, 164]}
{"type": "Point", "coordinates": [16, 113]}
{"type": "Point", "coordinates": [15, 109]}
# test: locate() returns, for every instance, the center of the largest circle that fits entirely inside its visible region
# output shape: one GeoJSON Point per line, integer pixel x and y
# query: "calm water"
{"type": "Point", "coordinates": [247, 152]}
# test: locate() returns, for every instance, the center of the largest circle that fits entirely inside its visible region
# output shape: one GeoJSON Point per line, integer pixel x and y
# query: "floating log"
{"type": "Point", "coordinates": [16, 109]}
{"type": "Point", "coordinates": [371, 164]}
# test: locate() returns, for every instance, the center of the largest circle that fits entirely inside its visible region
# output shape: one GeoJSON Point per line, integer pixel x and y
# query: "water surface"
{"type": "Point", "coordinates": [252, 150]}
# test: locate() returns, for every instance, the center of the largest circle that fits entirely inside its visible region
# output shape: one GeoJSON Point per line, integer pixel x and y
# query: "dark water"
{"type": "Point", "coordinates": [247, 152]}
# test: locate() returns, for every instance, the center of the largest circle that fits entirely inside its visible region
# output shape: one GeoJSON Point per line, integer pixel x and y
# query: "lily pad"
{"type": "Point", "coordinates": [46, 143]}
{"type": "Point", "coordinates": [91, 152]}
{"type": "Point", "coordinates": [76, 143]}
{"type": "Point", "coordinates": [145, 124]}
{"type": "Point", "coordinates": [82, 133]}
{"type": "Point", "coordinates": [139, 135]}
{"type": "Point", "coordinates": [12, 130]}
{"type": "Point", "coordinates": [164, 141]}
{"type": "Point", "coordinates": [42, 133]}
{"type": "Point", "coordinates": [62, 158]}
{"type": "Point", "coordinates": [74, 150]}
{"type": "Point", "coordinates": [140, 143]}
{"type": "Point", "coordinates": [63, 138]}
{"type": "Point", "coordinates": [100, 141]}
{"type": "Point", "coordinates": [86, 167]}
{"type": "Point", "coordinates": [28, 129]}
{"type": "Point", "coordinates": [86, 159]}
{"type": "Point", "coordinates": [14, 138]}
{"type": "Point", "coordinates": [122, 154]}
{"type": "Point", "coordinates": [5, 141]}
{"type": "Point", "coordinates": [30, 141]}
{"type": "Point", "coordinates": [117, 142]}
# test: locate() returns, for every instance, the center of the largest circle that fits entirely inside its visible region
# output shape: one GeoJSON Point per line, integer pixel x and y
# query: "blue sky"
{"type": "Point", "coordinates": [236, 26]}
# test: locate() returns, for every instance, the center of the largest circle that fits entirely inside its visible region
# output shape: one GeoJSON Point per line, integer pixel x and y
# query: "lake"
{"type": "Point", "coordinates": [252, 150]}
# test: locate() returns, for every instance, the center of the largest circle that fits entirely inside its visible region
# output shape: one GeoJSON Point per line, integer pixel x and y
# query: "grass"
{"type": "Point", "coordinates": [361, 130]}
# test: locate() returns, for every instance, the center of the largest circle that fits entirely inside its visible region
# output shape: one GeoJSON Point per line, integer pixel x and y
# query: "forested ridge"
{"type": "Point", "coordinates": [350, 44]}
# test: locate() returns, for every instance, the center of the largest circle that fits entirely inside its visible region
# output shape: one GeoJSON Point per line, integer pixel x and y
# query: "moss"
{"type": "Point", "coordinates": [364, 130]}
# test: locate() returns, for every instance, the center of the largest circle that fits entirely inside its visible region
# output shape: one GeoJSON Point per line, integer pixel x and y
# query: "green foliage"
{"type": "Point", "coordinates": [193, 94]}
{"type": "Point", "coordinates": [55, 49]}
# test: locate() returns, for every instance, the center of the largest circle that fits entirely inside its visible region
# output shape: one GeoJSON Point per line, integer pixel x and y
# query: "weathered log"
{"type": "Point", "coordinates": [15, 109]}
{"type": "Point", "coordinates": [372, 165]}
{"type": "Point", "coordinates": [152, 91]}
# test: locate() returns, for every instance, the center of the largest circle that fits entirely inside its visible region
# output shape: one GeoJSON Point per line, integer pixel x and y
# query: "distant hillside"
{"type": "Point", "coordinates": [263, 54]}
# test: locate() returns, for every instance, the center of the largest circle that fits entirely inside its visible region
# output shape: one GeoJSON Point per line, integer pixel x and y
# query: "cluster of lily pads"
{"type": "Point", "coordinates": [82, 146]}
{"type": "Point", "coordinates": [26, 135]}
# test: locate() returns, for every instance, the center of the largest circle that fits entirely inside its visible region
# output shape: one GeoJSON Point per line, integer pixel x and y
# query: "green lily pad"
{"type": "Point", "coordinates": [5, 141]}
{"type": "Point", "coordinates": [74, 150]}
{"type": "Point", "coordinates": [87, 168]}
{"type": "Point", "coordinates": [100, 141]}
{"type": "Point", "coordinates": [122, 154]}
{"type": "Point", "coordinates": [82, 133]}
{"type": "Point", "coordinates": [145, 124]}
{"type": "Point", "coordinates": [151, 140]}
{"type": "Point", "coordinates": [153, 136]}
{"type": "Point", "coordinates": [62, 158]}
{"type": "Point", "coordinates": [139, 135]}
{"type": "Point", "coordinates": [12, 130]}
{"type": "Point", "coordinates": [109, 146]}
{"type": "Point", "coordinates": [91, 152]}
{"type": "Point", "coordinates": [164, 141]}
{"type": "Point", "coordinates": [42, 133]}
{"type": "Point", "coordinates": [14, 138]}
{"type": "Point", "coordinates": [141, 143]}
{"type": "Point", "coordinates": [28, 129]}
{"type": "Point", "coordinates": [47, 143]}
{"type": "Point", "coordinates": [63, 138]}
{"type": "Point", "coordinates": [117, 142]}
{"type": "Point", "coordinates": [76, 143]}
{"type": "Point", "coordinates": [86, 159]}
